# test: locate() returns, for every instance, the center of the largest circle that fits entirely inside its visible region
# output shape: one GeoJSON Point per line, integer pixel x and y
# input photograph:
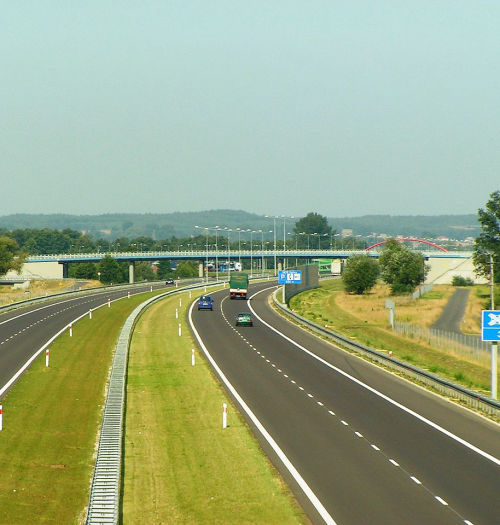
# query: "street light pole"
{"type": "Point", "coordinates": [494, 347]}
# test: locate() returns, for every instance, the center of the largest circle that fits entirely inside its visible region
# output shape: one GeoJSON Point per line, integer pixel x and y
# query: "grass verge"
{"type": "Point", "coordinates": [51, 420]}
{"type": "Point", "coordinates": [360, 319]}
{"type": "Point", "coordinates": [180, 465]}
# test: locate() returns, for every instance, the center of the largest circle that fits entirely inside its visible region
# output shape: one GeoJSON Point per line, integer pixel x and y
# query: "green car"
{"type": "Point", "coordinates": [244, 319]}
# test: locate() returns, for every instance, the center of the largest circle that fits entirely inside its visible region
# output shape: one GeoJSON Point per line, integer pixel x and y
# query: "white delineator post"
{"type": "Point", "coordinates": [180, 301]}
{"type": "Point", "coordinates": [190, 294]}
{"type": "Point", "coordinates": [176, 314]}
{"type": "Point", "coordinates": [128, 295]}
{"type": "Point", "coordinates": [151, 288]}
{"type": "Point", "coordinates": [192, 357]}
{"type": "Point", "coordinates": [47, 357]}
{"type": "Point", "coordinates": [90, 313]}
{"type": "Point", "coordinates": [224, 415]}
{"type": "Point", "coordinates": [180, 330]}
{"type": "Point", "coordinates": [109, 303]}
{"type": "Point", "coordinates": [71, 330]}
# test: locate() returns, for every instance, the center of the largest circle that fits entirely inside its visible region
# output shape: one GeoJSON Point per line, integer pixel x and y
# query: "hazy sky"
{"type": "Point", "coordinates": [344, 108]}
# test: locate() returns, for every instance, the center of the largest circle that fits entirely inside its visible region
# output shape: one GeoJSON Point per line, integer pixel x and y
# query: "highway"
{"type": "Point", "coordinates": [357, 444]}
{"type": "Point", "coordinates": [25, 330]}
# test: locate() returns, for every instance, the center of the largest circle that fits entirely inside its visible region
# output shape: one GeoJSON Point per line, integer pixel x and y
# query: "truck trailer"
{"type": "Point", "coordinates": [238, 285]}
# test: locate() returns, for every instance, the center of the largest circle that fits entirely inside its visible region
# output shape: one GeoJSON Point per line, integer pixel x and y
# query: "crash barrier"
{"type": "Point", "coordinates": [85, 291]}
{"type": "Point", "coordinates": [104, 501]}
{"type": "Point", "coordinates": [470, 398]}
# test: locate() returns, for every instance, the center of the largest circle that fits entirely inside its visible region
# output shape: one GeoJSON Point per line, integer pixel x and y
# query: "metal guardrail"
{"type": "Point", "coordinates": [104, 501]}
{"type": "Point", "coordinates": [469, 397]}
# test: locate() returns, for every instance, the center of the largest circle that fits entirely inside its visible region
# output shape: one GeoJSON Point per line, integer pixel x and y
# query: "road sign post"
{"type": "Point", "coordinates": [490, 331]}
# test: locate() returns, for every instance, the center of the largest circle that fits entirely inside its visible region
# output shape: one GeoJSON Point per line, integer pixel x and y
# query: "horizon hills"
{"type": "Point", "coordinates": [182, 224]}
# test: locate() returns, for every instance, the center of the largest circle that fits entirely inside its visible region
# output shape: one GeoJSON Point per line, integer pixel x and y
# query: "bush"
{"type": "Point", "coordinates": [360, 274]}
{"type": "Point", "coordinates": [459, 280]}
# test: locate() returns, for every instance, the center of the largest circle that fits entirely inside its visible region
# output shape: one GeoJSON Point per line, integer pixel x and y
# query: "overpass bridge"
{"type": "Point", "coordinates": [56, 266]}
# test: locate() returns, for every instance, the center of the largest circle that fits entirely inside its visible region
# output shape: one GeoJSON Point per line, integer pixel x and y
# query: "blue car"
{"type": "Point", "coordinates": [205, 302]}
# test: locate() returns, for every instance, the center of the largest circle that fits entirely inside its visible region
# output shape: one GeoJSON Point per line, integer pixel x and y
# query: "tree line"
{"type": "Point", "coordinates": [399, 266]}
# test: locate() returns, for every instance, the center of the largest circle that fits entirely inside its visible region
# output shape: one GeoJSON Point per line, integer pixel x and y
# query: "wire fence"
{"type": "Point", "coordinates": [463, 345]}
{"type": "Point", "coordinates": [422, 290]}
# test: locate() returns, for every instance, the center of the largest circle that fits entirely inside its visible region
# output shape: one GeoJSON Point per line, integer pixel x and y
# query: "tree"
{"type": "Point", "coordinates": [86, 270]}
{"type": "Point", "coordinates": [186, 269]}
{"type": "Point", "coordinates": [360, 274]}
{"type": "Point", "coordinates": [112, 271]}
{"type": "Point", "coordinates": [313, 224]}
{"type": "Point", "coordinates": [164, 269]}
{"type": "Point", "coordinates": [144, 271]}
{"type": "Point", "coordinates": [488, 241]}
{"type": "Point", "coordinates": [401, 268]}
{"type": "Point", "coordinates": [10, 256]}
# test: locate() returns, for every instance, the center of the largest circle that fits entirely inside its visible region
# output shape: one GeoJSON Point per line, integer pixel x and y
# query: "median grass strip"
{"type": "Point", "coordinates": [364, 319]}
{"type": "Point", "coordinates": [51, 421]}
{"type": "Point", "coordinates": [180, 465]}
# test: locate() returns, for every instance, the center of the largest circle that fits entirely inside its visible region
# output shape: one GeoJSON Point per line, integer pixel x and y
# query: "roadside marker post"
{"type": "Point", "coordinates": [224, 415]}
{"type": "Point", "coordinates": [90, 313]}
{"type": "Point", "coordinates": [128, 295]}
{"type": "Point", "coordinates": [390, 353]}
{"type": "Point", "coordinates": [176, 314]}
{"type": "Point", "coordinates": [180, 330]}
{"type": "Point", "coordinates": [71, 330]}
{"type": "Point", "coordinates": [151, 288]}
{"type": "Point", "coordinates": [47, 358]}
{"type": "Point", "coordinates": [192, 357]}
{"type": "Point", "coordinates": [109, 302]}
{"type": "Point", "coordinates": [180, 301]}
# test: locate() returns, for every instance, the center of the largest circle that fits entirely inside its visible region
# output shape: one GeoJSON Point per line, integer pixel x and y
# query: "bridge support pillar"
{"type": "Point", "coordinates": [65, 270]}
{"type": "Point", "coordinates": [131, 272]}
{"type": "Point", "coordinates": [200, 269]}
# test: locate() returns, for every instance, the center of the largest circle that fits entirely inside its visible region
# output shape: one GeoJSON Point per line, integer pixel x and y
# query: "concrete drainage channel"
{"type": "Point", "coordinates": [104, 502]}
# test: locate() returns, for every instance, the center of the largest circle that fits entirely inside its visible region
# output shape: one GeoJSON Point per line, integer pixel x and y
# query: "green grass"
{"type": "Point", "coordinates": [321, 302]}
{"type": "Point", "coordinates": [51, 420]}
{"type": "Point", "coordinates": [52, 417]}
{"type": "Point", "coordinates": [180, 465]}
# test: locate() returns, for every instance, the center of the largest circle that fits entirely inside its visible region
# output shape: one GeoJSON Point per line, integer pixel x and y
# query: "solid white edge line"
{"type": "Point", "coordinates": [472, 447]}
{"type": "Point", "coordinates": [40, 350]}
{"type": "Point", "coordinates": [286, 462]}
{"type": "Point", "coordinates": [37, 353]}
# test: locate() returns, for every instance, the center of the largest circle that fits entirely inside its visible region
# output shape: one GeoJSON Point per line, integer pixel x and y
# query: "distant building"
{"type": "Point", "coordinates": [346, 232]}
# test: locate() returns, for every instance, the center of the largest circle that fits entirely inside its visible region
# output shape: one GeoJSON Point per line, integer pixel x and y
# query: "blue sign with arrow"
{"type": "Point", "coordinates": [490, 325]}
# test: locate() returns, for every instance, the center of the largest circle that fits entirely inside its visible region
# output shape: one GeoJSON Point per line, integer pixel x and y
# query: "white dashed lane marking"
{"type": "Point", "coordinates": [346, 424]}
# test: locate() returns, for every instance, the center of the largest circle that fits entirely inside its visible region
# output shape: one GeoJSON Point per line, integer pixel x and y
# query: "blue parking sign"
{"type": "Point", "coordinates": [289, 276]}
{"type": "Point", "coordinates": [490, 325]}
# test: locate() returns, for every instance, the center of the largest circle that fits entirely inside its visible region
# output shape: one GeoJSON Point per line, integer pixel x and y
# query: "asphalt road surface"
{"type": "Point", "coordinates": [453, 312]}
{"type": "Point", "coordinates": [357, 444]}
{"type": "Point", "coordinates": [25, 330]}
